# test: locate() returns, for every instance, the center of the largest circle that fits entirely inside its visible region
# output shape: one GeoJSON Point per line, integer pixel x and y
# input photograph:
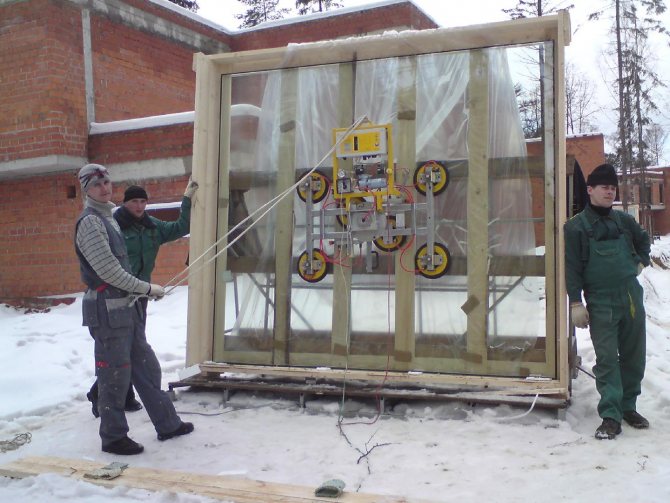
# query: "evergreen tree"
{"type": "Point", "coordinates": [260, 11]}
{"type": "Point", "coordinates": [191, 5]}
{"type": "Point", "coordinates": [309, 6]}
{"type": "Point", "coordinates": [635, 82]}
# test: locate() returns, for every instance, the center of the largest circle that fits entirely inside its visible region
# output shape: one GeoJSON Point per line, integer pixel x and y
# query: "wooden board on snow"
{"type": "Point", "coordinates": [226, 488]}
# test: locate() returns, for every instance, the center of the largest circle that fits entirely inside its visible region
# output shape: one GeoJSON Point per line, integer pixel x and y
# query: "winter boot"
{"type": "Point", "coordinates": [132, 405]}
{"type": "Point", "coordinates": [183, 429]}
{"type": "Point", "coordinates": [94, 404]}
{"type": "Point", "coordinates": [636, 420]}
{"type": "Point", "coordinates": [609, 429]}
{"type": "Point", "coordinates": [124, 447]}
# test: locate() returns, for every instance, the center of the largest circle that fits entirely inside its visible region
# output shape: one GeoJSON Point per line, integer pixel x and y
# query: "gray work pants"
{"type": "Point", "coordinates": [123, 353]}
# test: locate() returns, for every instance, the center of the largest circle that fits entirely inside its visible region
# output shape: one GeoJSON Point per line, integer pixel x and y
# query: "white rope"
{"type": "Point", "coordinates": [511, 418]}
{"type": "Point", "coordinates": [270, 205]}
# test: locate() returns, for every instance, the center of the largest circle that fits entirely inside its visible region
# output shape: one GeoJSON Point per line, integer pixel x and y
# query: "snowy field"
{"type": "Point", "coordinates": [431, 451]}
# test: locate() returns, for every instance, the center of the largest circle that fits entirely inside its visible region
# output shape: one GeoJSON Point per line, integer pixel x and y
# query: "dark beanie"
{"type": "Point", "coordinates": [134, 192]}
{"type": "Point", "coordinates": [605, 174]}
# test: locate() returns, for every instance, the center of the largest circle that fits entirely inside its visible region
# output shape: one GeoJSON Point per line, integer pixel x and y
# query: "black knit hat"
{"type": "Point", "coordinates": [604, 174]}
{"type": "Point", "coordinates": [134, 192]}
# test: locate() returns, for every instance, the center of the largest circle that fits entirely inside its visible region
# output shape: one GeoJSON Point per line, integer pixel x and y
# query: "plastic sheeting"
{"type": "Point", "coordinates": [442, 121]}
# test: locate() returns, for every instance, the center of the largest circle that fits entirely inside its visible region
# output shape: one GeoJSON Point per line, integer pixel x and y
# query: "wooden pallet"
{"type": "Point", "coordinates": [226, 488]}
{"type": "Point", "coordinates": [310, 386]}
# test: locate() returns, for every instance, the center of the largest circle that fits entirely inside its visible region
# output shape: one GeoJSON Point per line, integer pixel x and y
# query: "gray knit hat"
{"type": "Point", "coordinates": [90, 173]}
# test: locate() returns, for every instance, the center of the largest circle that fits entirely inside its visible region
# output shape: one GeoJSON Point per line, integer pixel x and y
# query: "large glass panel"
{"type": "Point", "coordinates": [342, 310]}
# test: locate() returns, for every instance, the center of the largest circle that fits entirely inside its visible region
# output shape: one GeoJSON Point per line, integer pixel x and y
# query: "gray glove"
{"type": "Point", "coordinates": [156, 291]}
{"type": "Point", "coordinates": [579, 315]}
{"type": "Point", "coordinates": [190, 188]}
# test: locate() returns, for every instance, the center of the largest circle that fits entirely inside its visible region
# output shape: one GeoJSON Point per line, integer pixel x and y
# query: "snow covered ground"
{"type": "Point", "coordinates": [433, 451]}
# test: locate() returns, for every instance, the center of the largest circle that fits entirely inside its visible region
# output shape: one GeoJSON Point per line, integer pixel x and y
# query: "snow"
{"type": "Point", "coordinates": [425, 450]}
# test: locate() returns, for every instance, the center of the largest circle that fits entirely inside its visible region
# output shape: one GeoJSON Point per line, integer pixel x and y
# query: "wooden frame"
{"type": "Point", "coordinates": [211, 162]}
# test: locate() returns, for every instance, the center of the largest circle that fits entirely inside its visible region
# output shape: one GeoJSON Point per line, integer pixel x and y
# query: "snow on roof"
{"type": "Point", "coordinates": [191, 15]}
{"type": "Point", "coordinates": [334, 12]}
{"type": "Point", "coordinates": [237, 110]}
{"type": "Point", "coordinates": [291, 20]}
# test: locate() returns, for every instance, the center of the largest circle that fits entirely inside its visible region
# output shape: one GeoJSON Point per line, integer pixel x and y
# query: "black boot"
{"type": "Point", "coordinates": [636, 420]}
{"type": "Point", "coordinates": [131, 403]}
{"type": "Point", "coordinates": [183, 429]}
{"type": "Point", "coordinates": [608, 430]}
{"type": "Point", "coordinates": [124, 447]}
{"type": "Point", "coordinates": [94, 403]}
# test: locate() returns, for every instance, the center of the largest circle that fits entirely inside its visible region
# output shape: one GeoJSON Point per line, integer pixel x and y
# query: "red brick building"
{"type": "Point", "coordinates": [67, 68]}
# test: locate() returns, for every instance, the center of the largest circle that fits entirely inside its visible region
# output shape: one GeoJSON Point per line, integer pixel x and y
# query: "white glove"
{"type": "Point", "coordinates": [640, 267]}
{"type": "Point", "coordinates": [190, 188]}
{"type": "Point", "coordinates": [156, 291]}
{"type": "Point", "coordinates": [579, 315]}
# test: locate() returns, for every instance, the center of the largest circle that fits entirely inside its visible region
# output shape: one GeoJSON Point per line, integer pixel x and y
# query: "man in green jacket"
{"type": "Point", "coordinates": [605, 250]}
{"type": "Point", "coordinates": [144, 235]}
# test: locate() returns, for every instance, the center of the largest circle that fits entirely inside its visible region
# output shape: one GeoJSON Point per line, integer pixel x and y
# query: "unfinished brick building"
{"type": "Point", "coordinates": [79, 80]}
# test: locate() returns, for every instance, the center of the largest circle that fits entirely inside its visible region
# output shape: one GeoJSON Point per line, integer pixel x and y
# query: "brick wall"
{"type": "Point", "coordinates": [37, 234]}
{"type": "Point", "coordinates": [42, 105]}
{"type": "Point", "coordinates": [142, 144]}
{"type": "Point", "coordinates": [137, 74]}
{"type": "Point", "coordinates": [662, 218]}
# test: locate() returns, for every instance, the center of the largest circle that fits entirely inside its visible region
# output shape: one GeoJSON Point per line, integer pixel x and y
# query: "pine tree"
{"type": "Point", "coordinates": [191, 5]}
{"type": "Point", "coordinates": [635, 82]}
{"type": "Point", "coordinates": [308, 6]}
{"type": "Point", "coordinates": [260, 11]}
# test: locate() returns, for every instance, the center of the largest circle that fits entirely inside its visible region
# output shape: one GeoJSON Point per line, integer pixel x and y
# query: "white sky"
{"type": "Point", "coordinates": [589, 42]}
{"type": "Point", "coordinates": [430, 449]}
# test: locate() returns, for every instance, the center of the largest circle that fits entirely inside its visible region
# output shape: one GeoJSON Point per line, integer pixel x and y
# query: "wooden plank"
{"type": "Point", "coordinates": [225, 488]}
{"type": "Point", "coordinates": [556, 293]}
{"type": "Point", "coordinates": [513, 385]}
{"type": "Point", "coordinates": [408, 43]}
{"type": "Point", "coordinates": [204, 211]}
{"type": "Point", "coordinates": [405, 279]}
{"type": "Point", "coordinates": [371, 390]}
{"type": "Point", "coordinates": [341, 313]}
{"type": "Point", "coordinates": [476, 306]}
{"type": "Point", "coordinates": [222, 209]}
{"type": "Point", "coordinates": [284, 215]}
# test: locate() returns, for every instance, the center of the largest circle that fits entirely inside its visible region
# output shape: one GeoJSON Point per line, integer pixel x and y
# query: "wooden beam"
{"type": "Point", "coordinates": [204, 211]}
{"type": "Point", "coordinates": [521, 31]}
{"type": "Point", "coordinates": [405, 152]}
{"type": "Point", "coordinates": [341, 313]}
{"type": "Point", "coordinates": [503, 385]}
{"type": "Point", "coordinates": [219, 487]}
{"type": "Point", "coordinates": [284, 215]}
{"type": "Point", "coordinates": [476, 305]}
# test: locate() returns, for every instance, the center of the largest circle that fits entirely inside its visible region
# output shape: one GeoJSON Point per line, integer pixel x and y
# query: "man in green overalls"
{"type": "Point", "coordinates": [605, 250]}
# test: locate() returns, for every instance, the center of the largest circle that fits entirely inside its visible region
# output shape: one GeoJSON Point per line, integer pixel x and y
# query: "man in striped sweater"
{"type": "Point", "coordinates": [116, 323]}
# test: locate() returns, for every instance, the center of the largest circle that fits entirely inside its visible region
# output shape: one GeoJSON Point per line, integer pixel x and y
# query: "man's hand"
{"type": "Point", "coordinates": [190, 188]}
{"type": "Point", "coordinates": [579, 315]}
{"type": "Point", "coordinates": [156, 291]}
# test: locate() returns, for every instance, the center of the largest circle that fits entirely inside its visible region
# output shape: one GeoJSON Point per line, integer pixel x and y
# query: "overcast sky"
{"type": "Point", "coordinates": [590, 40]}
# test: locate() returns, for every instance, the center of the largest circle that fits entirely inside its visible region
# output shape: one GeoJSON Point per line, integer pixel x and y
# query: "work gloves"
{"type": "Point", "coordinates": [190, 188]}
{"type": "Point", "coordinates": [579, 315]}
{"type": "Point", "coordinates": [156, 291]}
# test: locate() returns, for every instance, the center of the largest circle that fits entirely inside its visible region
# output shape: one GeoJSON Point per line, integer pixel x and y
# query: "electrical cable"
{"type": "Point", "coordinates": [510, 418]}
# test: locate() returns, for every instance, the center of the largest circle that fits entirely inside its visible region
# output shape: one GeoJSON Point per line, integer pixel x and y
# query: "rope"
{"type": "Point", "coordinates": [510, 418]}
{"type": "Point", "coordinates": [15, 443]}
{"type": "Point", "coordinates": [270, 205]}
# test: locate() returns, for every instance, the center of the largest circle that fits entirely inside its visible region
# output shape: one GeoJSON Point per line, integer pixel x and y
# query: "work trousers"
{"type": "Point", "coordinates": [121, 354]}
{"type": "Point", "coordinates": [617, 326]}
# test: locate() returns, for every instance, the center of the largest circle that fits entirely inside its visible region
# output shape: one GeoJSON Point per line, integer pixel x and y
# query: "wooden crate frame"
{"type": "Point", "coordinates": [211, 160]}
